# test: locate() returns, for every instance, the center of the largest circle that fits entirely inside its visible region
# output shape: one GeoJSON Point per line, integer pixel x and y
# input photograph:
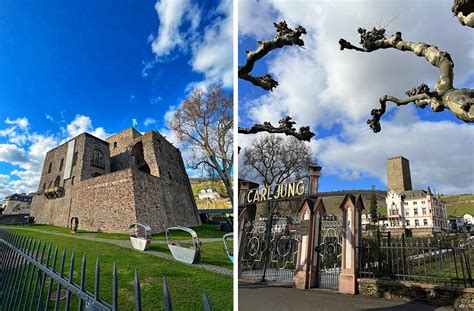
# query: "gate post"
{"type": "Point", "coordinates": [305, 248]}
{"type": "Point", "coordinates": [351, 235]}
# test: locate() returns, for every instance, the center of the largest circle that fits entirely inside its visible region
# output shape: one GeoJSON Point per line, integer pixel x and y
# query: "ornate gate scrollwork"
{"type": "Point", "coordinates": [330, 251]}
{"type": "Point", "coordinates": [273, 260]}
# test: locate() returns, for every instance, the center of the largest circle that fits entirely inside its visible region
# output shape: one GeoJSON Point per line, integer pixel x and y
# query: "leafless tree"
{"type": "Point", "coordinates": [285, 36]}
{"type": "Point", "coordinates": [203, 123]}
{"type": "Point", "coordinates": [443, 96]}
{"type": "Point", "coordinates": [271, 159]}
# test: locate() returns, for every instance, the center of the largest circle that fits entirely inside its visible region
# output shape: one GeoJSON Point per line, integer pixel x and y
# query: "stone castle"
{"type": "Point", "coordinates": [111, 184]}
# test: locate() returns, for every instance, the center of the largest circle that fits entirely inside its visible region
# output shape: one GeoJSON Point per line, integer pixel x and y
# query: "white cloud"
{"type": "Point", "coordinates": [49, 117]}
{"type": "Point", "coordinates": [149, 121]}
{"type": "Point", "coordinates": [83, 124]}
{"type": "Point", "coordinates": [211, 50]}
{"type": "Point", "coordinates": [212, 55]}
{"type": "Point", "coordinates": [28, 154]}
{"type": "Point", "coordinates": [172, 34]}
{"type": "Point", "coordinates": [325, 88]}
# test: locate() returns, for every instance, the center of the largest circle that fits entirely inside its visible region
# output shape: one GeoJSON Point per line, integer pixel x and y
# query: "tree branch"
{"type": "Point", "coordinates": [286, 127]}
{"type": "Point", "coordinates": [464, 10]}
{"type": "Point", "coordinates": [284, 36]}
{"type": "Point", "coordinates": [444, 95]}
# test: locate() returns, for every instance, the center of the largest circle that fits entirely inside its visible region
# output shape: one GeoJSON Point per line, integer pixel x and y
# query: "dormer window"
{"type": "Point", "coordinates": [98, 159]}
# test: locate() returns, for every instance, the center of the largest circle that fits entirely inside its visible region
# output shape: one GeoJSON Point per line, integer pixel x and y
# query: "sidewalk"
{"type": "Point", "coordinates": [261, 296]}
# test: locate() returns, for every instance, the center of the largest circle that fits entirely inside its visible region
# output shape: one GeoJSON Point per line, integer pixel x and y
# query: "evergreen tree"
{"type": "Point", "coordinates": [373, 206]}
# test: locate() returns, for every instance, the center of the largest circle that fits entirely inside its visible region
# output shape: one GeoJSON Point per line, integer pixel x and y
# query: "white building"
{"type": "Point", "coordinates": [17, 204]}
{"type": "Point", "coordinates": [416, 209]}
{"type": "Point", "coordinates": [210, 194]}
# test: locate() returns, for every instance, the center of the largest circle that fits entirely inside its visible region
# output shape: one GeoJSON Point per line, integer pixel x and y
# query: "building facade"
{"type": "Point", "coordinates": [208, 194]}
{"type": "Point", "coordinates": [111, 184]}
{"type": "Point", "coordinates": [416, 212]}
{"type": "Point", "coordinates": [17, 204]}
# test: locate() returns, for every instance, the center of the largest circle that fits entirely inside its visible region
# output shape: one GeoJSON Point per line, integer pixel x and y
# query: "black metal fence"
{"type": "Point", "coordinates": [30, 278]}
{"type": "Point", "coordinates": [434, 261]}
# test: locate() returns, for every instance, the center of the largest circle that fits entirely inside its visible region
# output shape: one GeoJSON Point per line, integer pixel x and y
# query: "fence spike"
{"type": "Point", "coordinates": [83, 280]}
{"type": "Point", "coordinates": [50, 288]}
{"type": "Point", "coordinates": [114, 287]}
{"type": "Point", "coordinates": [166, 296]}
{"type": "Point", "coordinates": [97, 279]}
{"type": "Point", "coordinates": [71, 274]}
{"type": "Point", "coordinates": [61, 271]}
{"type": "Point", "coordinates": [207, 304]}
{"type": "Point", "coordinates": [138, 297]}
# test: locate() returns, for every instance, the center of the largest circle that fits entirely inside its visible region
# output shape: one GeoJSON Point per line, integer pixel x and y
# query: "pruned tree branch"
{"type": "Point", "coordinates": [464, 10]}
{"type": "Point", "coordinates": [286, 127]}
{"type": "Point", "coordinates": [284, 36]}
{"type": "Point", "coordinates": [443, 96]}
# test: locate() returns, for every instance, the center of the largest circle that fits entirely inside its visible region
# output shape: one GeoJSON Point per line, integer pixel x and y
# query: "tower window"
{"type": "Point", "coordinates": [50, 167]}
{"type": "Point", "coordinates": [98, 159]}
{"type": "Point", "coordinates": [115, 145]}
{"type": "Point", "coordinates": [61, 164]}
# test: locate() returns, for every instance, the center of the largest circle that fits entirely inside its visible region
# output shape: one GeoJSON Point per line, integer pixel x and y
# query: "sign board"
{"type": "Point", "coordinates": [280, 191]}
{"type": "Point", "coordinates": [304, 227]}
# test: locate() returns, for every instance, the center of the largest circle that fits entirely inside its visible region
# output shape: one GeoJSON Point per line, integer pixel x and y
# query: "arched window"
{"type": "Point", "coordinates": [61, 164]}
{"type": "Point", "coordinates": [50, 167]}
{"type": "Point", "coordinates": [98, 159]}
{"type": "Point", "coordinates": [115, 145]}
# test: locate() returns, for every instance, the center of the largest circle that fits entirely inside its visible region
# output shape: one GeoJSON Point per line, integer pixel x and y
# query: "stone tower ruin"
{"type": "Point", "coordinates": [398, 172]}
{"type": "Point", "coordinates": [108, 185]}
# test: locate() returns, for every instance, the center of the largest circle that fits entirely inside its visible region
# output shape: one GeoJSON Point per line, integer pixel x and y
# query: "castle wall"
{"type": "Point", "coordinates": [119, 148]}
{"type": "Point", "coordinates": [160, 205]}
{"type": "Point", "coordinates": [398, 173]}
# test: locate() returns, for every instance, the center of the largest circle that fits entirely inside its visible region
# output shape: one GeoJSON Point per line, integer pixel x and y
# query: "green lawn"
{"type": "Point", "coordinates": [185, 282]}
{"type": "Point", "coordinates": [212, 253]}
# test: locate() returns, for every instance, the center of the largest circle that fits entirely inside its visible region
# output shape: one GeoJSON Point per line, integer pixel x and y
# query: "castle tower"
{"type": "Point", "coordinates": [398, 172]}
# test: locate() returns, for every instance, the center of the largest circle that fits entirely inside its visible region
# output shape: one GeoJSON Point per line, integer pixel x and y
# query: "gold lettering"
{"type": "Point", "coordinates": [263, 194]}
{"type": "Point", "coordinates": [291, 190]}
{"type": "Point", "coordinates": [249, 200]}
{"type": "Point", "coordinates": [269, 193]}
{"type": "Point", "coordinates": [300, 188]}
{"type": "Point", "coordinates": [256, 198]}
{"type": "Point", "coordinates": [276, 194]}
{"type": "Point", "coordinates": [284, 191]}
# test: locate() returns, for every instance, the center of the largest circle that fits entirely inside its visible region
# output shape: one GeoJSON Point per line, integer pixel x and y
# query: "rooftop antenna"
{"type": "Point", "coordinates": [135, 124]}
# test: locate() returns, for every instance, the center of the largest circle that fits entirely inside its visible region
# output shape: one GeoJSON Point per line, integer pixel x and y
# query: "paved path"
{"type": "Point", "coordinates": [261, 296]}
{"type": "Point", "coordinates": [127, 244]}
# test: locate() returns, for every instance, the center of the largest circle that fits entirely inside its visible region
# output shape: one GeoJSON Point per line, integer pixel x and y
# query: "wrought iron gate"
{"type": "Point", "coordinates": [330, 252]}
{"type": "Point", "coordinates": [270, 255]}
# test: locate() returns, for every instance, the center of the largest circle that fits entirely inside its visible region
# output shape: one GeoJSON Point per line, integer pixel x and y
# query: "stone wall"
{"type": "Point", "coordinates": [459, 298]}
{"type": "Point", "coordinates": [119, 148]}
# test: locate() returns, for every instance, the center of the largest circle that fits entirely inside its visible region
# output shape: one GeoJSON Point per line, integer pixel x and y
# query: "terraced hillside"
{"type": "Point", "coordinates": [333, 199]}
{"type": "Point", "coordinates": [458, 205]}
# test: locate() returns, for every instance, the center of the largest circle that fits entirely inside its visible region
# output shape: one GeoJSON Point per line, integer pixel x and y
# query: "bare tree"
{"type": "Point", "coordinates": [204, 124]}
{"type": "Point", "coordinates": [285, 36]}
{"type": "Point", "coordinates": [443, 96]}
{"type": "Point", "coordinates": [273, 160]}
{"type": "Point", "coordinates": [464, 11]}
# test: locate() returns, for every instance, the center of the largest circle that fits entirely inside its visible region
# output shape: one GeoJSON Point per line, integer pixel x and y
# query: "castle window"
{"type": "Point", "coordinates": [44, 187]}
{"type": "Point", "coordinates": [50, 167]}
{"type": "Point", "coordinates": [72, 180]}
{"type": "Point", "coordinates": [61, 164]}
{"type": "Point", "coordinates": [98, 159]}
{"type": "Point", "coordinates": [169, 175]}
{"type": "Point", "coordinates": [115, 145]}
{"type": "Point", "coordinates": [57, 181]}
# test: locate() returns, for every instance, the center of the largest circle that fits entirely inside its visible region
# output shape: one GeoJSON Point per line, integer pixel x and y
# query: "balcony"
{"type": "Point", "coordinates": [54, 192]}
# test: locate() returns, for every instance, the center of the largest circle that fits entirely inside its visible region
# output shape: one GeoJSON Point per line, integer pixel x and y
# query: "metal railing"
{"type": "Point", "coordinates": [30, 279]}
{"type": "Point", "coordinates": [433, 261]}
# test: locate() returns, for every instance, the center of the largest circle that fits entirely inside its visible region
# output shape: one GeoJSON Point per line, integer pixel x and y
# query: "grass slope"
{"type": "Point", "coordinates": [185, 282]}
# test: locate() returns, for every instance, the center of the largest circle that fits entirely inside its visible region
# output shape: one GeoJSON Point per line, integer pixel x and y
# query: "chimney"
{"type": "Point", "coordinates": [314, 173]}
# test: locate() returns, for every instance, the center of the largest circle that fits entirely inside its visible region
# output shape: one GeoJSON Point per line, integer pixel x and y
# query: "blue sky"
{"type": "Point", "coordinates": [334, 91]}
{"type": "Point", "coordinates": [73, 66]}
